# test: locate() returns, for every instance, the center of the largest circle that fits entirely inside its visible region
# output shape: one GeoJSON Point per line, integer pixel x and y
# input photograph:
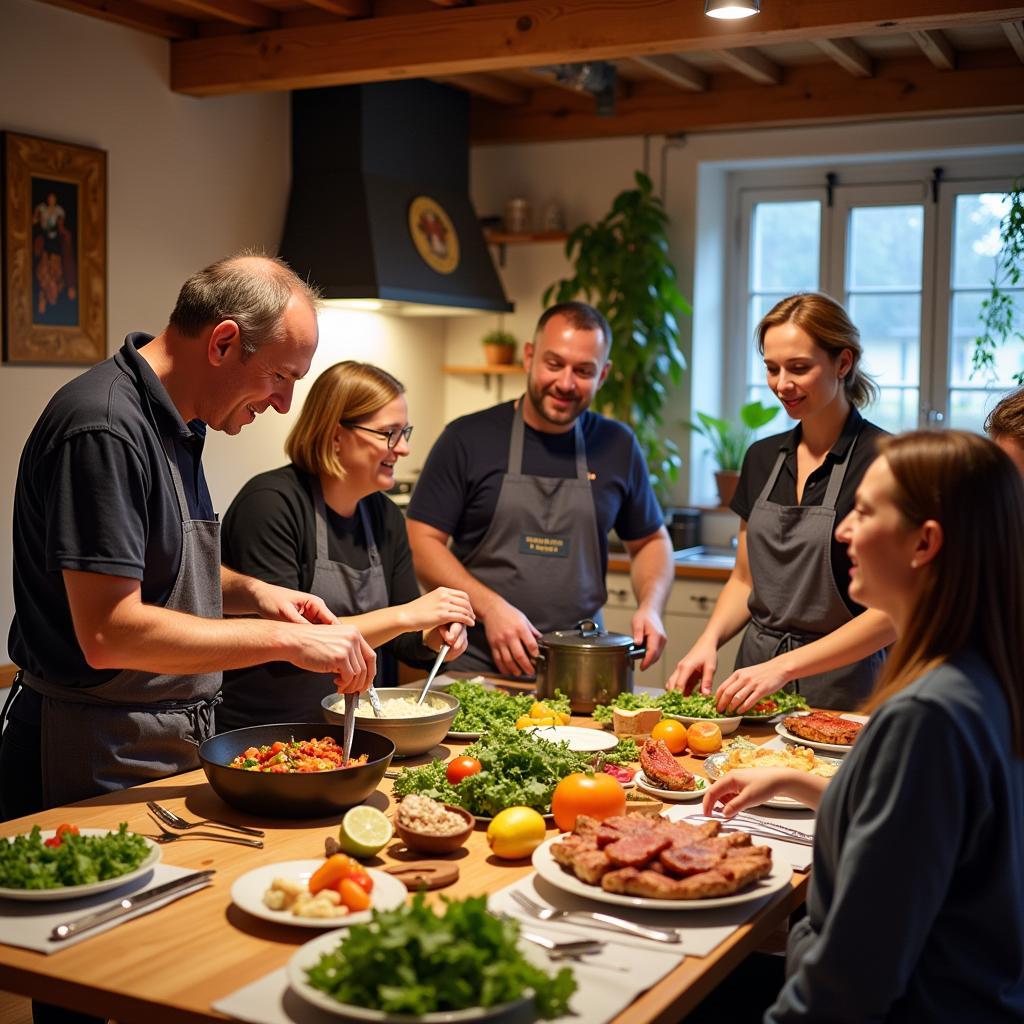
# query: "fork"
{"type": "Point", "coordinates": [758, 826]}
{"type": "Point", "coordinates": [169, 837]}
{"type": "Point", "coordinates": [168, 817]}
{"type": "Point", "coordinates": [602, 920]}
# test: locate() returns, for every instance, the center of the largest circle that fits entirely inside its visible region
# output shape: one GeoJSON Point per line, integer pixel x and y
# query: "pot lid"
{"type": "Point", "coordinates": [586, 635]}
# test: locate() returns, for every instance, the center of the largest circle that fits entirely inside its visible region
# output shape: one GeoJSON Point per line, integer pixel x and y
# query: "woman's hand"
{"type": "Point", "coordinates": [745, 787]}
{"type": "Point", "coordinates": [698, 666]}
{"type": "Point", "coordinates": [439, 607]}
{"type": "Point", "coordinates": [455, 636]}
{"type": "Point", "coordinates": [746, 686]}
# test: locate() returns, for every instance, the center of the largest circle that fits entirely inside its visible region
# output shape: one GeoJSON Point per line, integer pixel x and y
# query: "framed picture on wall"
{"type": "Point", "coordinates": [54, 265]}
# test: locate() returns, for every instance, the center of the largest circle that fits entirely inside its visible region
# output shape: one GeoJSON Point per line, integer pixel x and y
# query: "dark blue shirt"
{"type": "Point", "coordinates": [95, 494]}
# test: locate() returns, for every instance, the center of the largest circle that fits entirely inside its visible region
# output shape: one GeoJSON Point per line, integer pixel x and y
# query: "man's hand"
{"type": "Point", "coordinates": [338, 649]}
{"type": "Point", "coordinates": [512, 639]}
{"type": "Point", "coordinates": [283, 605]}
{"type": "Point", "coordinates": [648, 629]}
{"type": "Point", "coordinates": [746, 686]}
{"type": "Point", "coordinates": [697, 667]}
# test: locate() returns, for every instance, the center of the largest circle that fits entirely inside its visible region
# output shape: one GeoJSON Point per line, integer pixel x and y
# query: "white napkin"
{"type": "Point", "coordinates": [607, 982]}
{"type": "Point", "coordinates": [29, 923]}
{"type": "Point", "coordinates": [700, 930]}
{"type": "Point", "coordinates": [796, 855]}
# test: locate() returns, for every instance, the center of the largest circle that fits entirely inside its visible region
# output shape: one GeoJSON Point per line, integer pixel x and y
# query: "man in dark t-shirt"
{"type": "Point", "coordinates": [527, 492]}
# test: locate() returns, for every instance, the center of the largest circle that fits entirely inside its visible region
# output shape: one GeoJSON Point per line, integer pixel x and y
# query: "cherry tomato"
{"type": "Point", "coordinates": [353, 896]}
{"type": "Point", "coordinates": [63, 830]}
{"type": "Point", "coordinates": [363, 880]}
{"type": "Point", "coordinates": [598, 796]}
{"type": "Point", "coordinates": [52, 841]}
{"type": "Point", "coordinates": [460, 768]}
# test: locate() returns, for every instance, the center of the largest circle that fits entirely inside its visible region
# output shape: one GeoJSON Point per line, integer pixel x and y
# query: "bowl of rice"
{"type": "Point", "coordinates": [428, 826]}
{"type": "Point", "coordinates": [413, 728]}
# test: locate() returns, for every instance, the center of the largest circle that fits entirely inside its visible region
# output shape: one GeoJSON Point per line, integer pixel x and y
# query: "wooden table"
{"type": "Point", "coordinates": [169, 966]}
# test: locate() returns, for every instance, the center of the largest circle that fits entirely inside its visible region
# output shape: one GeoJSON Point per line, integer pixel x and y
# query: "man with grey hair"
{"type": "Point", "coordinates": [119, 591]}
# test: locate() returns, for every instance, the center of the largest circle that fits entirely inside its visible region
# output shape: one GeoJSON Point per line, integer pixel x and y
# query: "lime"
{"type": "Point", "coordinates": [515, 833]}
{"type": "Point", "coordinates": [364, 832]}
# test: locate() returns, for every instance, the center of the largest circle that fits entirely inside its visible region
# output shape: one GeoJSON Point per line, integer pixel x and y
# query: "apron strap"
{"type": "Point", "coordinates": [516, 443]}
{"type": "Point", "coordinates": [838, 475]}
{"type": "Point", "coordinates": [320, 514]}
{"type": "Point", "coordinates": [773, 476]}
{"type": "Point", "coordinates": [12, 694]}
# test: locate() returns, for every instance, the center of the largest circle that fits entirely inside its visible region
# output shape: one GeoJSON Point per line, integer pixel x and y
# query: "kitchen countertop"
{"type": "Point", "coordinates": [618, 561]}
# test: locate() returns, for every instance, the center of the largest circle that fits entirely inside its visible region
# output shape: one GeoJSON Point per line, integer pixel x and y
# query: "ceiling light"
{"type": "Point", "coordinates": [731, 9]}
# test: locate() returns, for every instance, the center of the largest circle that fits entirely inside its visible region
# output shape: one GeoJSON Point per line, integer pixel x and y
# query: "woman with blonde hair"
{"type": "Point", "coordinates": [322, 524]}
{"type": "Point", "coordinates": [916, 905]}
{"type": "Point", "coordinates": [790, 586]}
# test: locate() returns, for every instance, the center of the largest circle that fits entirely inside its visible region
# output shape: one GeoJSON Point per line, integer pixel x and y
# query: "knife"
{"type": "Point", "coordinates": [197, 879]}
{"type": "Point", "coordinates": [351, 701]}
{"type": "Point", "coordinates": [438, 661]}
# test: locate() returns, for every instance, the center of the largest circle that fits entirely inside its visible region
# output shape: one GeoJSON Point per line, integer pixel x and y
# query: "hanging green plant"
{"type": "Point", "coordinates": [621, 266]}
{"type": "Point", "coordinates": [998, 311]}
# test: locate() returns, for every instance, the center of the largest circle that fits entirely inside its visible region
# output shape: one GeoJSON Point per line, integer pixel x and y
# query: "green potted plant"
{"type": "Point", "coordinates": [729, 442]}
{"type": "Point", "coordinates": [499, 347]}
{"type": "Point", "coordinates": [621, 266]}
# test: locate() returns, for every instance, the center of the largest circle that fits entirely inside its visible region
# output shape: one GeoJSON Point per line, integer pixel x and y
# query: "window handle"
{"type": "Point", "coordinates": [935, 416]}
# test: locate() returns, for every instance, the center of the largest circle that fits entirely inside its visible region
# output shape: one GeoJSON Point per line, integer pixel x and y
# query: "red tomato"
{"type": "Point", "coordinates": [460, 768]}
{"type": "Point", "coordinates": [353, 896]}
{"type": "Point", "coordinates": [363, 880]}
{"type": "Point", "coordinates": [598, 796]}
{"type": "Point", "coordinates": [63, 830]}
{"type": "Point", "coordinates": [52, 841]}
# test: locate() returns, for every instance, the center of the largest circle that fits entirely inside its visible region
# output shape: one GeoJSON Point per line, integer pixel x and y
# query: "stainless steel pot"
{"type": "Point", "coordinates": [590, 665]}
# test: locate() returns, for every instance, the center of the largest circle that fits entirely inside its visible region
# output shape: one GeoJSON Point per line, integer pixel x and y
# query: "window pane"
{"type": "Point", "coordinates": [976, 238]}
{"type": "Point", "coordinates": [969, 407]}
{"type": "Point", "coordinates": [965, 326]}
{"type": "Point", "coordinates": [896, 409]}
{"type": "Point", "coordinates": [885, 247]}
{"type": "Point", "coordinates": [784, 247]}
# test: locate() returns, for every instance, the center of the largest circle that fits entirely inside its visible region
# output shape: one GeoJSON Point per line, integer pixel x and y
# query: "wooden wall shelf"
{"type": "Point", "coordinates": [503, 238]}
{"type": "Point", "coordinates": [498, 370]}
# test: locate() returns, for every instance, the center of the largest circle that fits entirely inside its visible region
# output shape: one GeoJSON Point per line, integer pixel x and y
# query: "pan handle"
{"type": "Point", "coordinates": [636, 651]}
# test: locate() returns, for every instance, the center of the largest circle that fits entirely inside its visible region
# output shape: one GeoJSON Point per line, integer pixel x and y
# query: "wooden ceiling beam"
{"type": "Point", "coordinates": [751, 63]}
{"type": "Point", "coordinates": [132, 15]}
{"type": "Point", "coordinates": [674, 71]}
{"type": "Point", "coordinates": [1015, 33]}
{"type": "Point", "coordinates": [985, 82]}
{"type": "Point", "coordinates": [244, 13]}
{"type": "Point", "coordinates": [346, 8]}
{"type": "Point", "coordinates": [490, 87]}
{"type": "Point", "coordinates": [848, 55]}
{"type": "Point", "coordinates": [937, 48]}
{"type": "Point", "coordinates": [527, 33]}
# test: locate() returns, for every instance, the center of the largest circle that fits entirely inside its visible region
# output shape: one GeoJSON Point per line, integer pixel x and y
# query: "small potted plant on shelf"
{"type": "Point", "coordinates": [729, 442]}
{"type": "Point", "coordinates": [499, 347]}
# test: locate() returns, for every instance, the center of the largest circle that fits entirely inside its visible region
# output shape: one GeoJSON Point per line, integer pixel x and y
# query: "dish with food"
{"type": "Point", "coordinates": [727, 725]}
{"type": "Point", "coordinates": [822, 723]}
{"type": "Point", "coordinates": [644, 784]}
{"type": "Point", "coordinates": [482, 710]}
{"type": "Point", "coordinates": [662, 769]}
{"type": "Point", "coordinates": [584, 863]}
{"type": "Point", "coordinates": [143, 855]}
{"type": "Point", "coordinates": [578, 738]}
{"type": "Point", "coordinates": [283, 757]}
{"type": "Point", "coordinates": [248, 890]}
{"type": "Point", "coordinates": [396, 707]}
{"type": "Point", "coordinates": [798, 758]}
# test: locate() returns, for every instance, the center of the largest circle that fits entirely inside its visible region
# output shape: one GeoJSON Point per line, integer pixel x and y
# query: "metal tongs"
{"type": "Point", "coordinates": [349, 727]}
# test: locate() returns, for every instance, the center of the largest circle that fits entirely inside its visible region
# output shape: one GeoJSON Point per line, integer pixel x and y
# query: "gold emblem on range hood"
{"type": "Point", "coordinates": [434, 235]}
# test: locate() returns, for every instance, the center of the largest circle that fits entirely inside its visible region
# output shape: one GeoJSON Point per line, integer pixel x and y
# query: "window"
{"type": "Point", "coordinates": [909, 256]}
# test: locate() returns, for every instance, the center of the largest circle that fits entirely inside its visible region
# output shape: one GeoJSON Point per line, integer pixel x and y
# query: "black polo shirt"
{"type": "Point", "coordinates": [95, 494]}
{"type": "Point", "coordinates": [760, 460]}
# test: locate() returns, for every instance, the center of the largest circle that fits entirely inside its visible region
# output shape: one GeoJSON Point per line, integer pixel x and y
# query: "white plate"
{"type": "Point", "coordinates": [463, 737]}
{"type": "Point", "coordinates": [830, 748]}
{"type": "Point", "coordinates": [727, 725]}
{"type": "Point", "coordinates": [578, 738]}
{"type": "Point", "coordinates": [309, 954]}
{"type": "Point", "coordinates": [785, 803]}
{"type": "Point", "coordinates": [645, 785]}
{"type": "Point", "coordinates": [549, 869]}
{"type": "Point", "coordinates": [247, 893]}
{"type": "Point", "coordinates": [71, 892]}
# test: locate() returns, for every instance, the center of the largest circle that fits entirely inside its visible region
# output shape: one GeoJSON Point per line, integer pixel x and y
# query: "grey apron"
{"type": "Point", "coordinates": [541, 552]}
{"type": "Point", "coordinates": [279, 692]}
{"type": "Point", "coordinates": [137, 726]}
{"type": "Point", "coordinates": [794, 599]}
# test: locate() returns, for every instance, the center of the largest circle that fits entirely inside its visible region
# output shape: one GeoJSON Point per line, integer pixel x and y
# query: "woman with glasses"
{"type": "Point", "coordinates": [322, 524]}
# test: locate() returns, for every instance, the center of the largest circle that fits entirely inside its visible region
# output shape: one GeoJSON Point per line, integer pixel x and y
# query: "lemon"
{"type": "Point", "coordinates": [525, 722]}
{"type": "Point", "coordinates": [364, 832]}
{"type": "Point", "coordinates": [540, 710]}
{"type": "Point", "coordinates": [515, 833]}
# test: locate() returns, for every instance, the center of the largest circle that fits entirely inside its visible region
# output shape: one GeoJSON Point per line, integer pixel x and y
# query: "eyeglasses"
{"type": "Point", "coordinates": [390, 436]}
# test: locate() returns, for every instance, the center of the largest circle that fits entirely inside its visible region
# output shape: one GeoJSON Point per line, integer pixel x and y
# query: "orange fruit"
{"type": "Point", "coordinates": [673, 733]}
{"type": "Point", "coordinates": [704, 738]}
{"type": "Point", "coordinates": [597, 795]}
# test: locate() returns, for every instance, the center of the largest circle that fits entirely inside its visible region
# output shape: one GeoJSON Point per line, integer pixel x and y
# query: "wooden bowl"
{"type": "Point", "coordinates": [430, 842]}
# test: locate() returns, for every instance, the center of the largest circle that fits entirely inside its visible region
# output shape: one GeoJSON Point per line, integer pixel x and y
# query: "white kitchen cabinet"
{"type": "Point", "coordinates": [687, 611]}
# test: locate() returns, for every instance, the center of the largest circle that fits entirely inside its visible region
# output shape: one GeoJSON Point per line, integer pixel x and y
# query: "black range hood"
{"type": "Point", "coordinates": [379, 205]}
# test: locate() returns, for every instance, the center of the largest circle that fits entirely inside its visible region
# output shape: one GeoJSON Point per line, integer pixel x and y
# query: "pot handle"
{"type": "Point", "coordinates": [588, 627]}
{"type": "Point", "coordinates": [636, 651]}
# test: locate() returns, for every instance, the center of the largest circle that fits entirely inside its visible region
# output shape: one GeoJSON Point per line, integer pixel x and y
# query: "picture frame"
{"type": "Point", "coordinates": [54, 251]}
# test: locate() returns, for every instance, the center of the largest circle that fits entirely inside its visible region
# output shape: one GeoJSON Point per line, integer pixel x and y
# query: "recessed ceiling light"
{"type": "Point", "coordinates": [731, 9]}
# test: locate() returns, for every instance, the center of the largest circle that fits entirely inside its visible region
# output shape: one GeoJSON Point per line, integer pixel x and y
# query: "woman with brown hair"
{"type": "Point", "coordinates": [791, 580]}
{"type": "Point", "coordinates": [916, 905]}
{"type": "Point", "coordinates": [1005, 425]}
{"type": "Point", "coordinates": [322, 524]}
